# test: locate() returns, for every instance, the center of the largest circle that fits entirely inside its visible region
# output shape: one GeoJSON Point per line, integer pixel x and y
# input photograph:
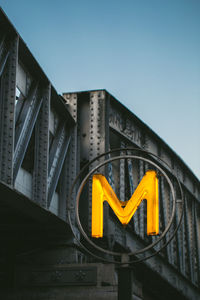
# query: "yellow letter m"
{"type": "Point", "coordinates": [124, 210]}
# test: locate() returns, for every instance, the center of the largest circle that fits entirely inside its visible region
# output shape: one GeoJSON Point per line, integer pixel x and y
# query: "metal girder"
{"type": "Point", "coordinates": [132, 185]}
{"type": "Point", "coordinates": [99, 142]}
{"type": "Point", "coordinates": [189, 240]}
{"type": "Point", "coordinates": [4, 54]}
{"type": "Point", "coordinates": [2, 41]}
{"type": "Point", "coordinates": [122, 175]}
{"type": "Point", "coordinates": [98, 138]}
{"type": "Point", "coordinates": [127, 129]}
{"type": "Point", "coordinates": [133, 130]}
{"type": "Point", "coordinates": [56, 157]}
{"type": "Point", "coordinates": [7, 123]}
{"type": "Point", "coordinates": [197, 239]}
{"type": "Point", "coordinates": [25, 124]}
{"type": "Point", "coordinates": [164, 210]}
{"type": "Point", "coordinates": [72, 163]}
{"type": "Point", "coordinates": [179, 243]}
{"type": "Point", "coordinates": [141, 210]}
{"type": "Point", "coordinates": [41, 160]}
{"type": "Point", "coordinates": [184, 246]}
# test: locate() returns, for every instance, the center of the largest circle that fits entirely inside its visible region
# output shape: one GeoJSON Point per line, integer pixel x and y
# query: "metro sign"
{"type": "Point", "coordinates": [124, 210]}
{"type": "Point", "coordinates": [147, 189]}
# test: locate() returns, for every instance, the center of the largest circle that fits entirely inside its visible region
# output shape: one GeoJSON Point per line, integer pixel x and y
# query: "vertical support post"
{"type": "Point", "coordinates": [7, 115]}
{"type": "Point", "coordinates": [98, 133]}
{"type": "Point", "coordinates": [132, 184]}
{"type": "Point", "coordinates": [164, 204]}
{"type": "Point", "coordinates": [42, 151]}
{"type": "Point", "coordinates": [72, 163]}
{"type": "Point", "coordinates": [125, 283]}
{"type": "Point", "coordinates": [70, 170]}
{"type": "Point", "coordinates": [197, 240]}
{"type": "Point", "coordinates": [141, 218]}
{"type": "Point", "coordinates": [187, 215]}
{"type": "Point", "coordinates": [125, 278]}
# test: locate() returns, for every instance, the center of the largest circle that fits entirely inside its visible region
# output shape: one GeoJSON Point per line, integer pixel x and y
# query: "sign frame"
{"type": "Point", "coordinates": [142, 155]}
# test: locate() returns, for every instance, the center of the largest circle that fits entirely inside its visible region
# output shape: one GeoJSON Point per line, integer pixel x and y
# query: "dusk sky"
{"type": "Point", "coordinates": [144, 52]}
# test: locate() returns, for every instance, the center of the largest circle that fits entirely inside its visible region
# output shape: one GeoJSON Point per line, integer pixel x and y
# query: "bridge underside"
{"type": "Point", "coordinates": [24, 225]}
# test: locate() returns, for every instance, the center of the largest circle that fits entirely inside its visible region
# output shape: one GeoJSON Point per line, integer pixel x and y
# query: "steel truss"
{"type": "Point", "coordinates": [113, 126]}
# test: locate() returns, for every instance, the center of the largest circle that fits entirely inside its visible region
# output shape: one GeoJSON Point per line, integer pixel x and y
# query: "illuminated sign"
{"type": "Point", "coordinates": [147, 189]}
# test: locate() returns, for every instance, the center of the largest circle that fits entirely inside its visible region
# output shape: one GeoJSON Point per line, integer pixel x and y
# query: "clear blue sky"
{"type": "Point", "coordinates": [145, 52]}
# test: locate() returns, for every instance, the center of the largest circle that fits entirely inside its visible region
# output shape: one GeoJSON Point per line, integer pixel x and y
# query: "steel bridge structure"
{"type": "Point", "coordinates": [45, 140]}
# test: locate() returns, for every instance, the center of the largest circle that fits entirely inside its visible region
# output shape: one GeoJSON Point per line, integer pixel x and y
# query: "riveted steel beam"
{"type": "Point", "coordinates": [72, 163]}
{"type": "Point", "coordinates": [122, 175]}
{"type": "Point", "coordinates": [98, 138]}
{"type": "Point", "coordinates": [179, 242]}
{"type": "Point", "coordinates": [197, 239]}
{"type": "Point", "coordinates": [141, 210]}
{"type": "Point", "coordinates": [41, 159]}
{"type": "Point", "coordinates": [164, 203]}
{"type": "Point", "coordinates": [56, 157]}
{"type": "Point", "coordinates": [184, 246]}
{"type": "Point", "coordinates": [131, 129]}
{"type": "Point", "coordinates": [25, 124]}
{"type": "Point", "coordinates": [7, 118]}
{"type": "Point", "coordinates": [132, 185]}
{"type": "Point", "coordinates": [189, 237]}
{"type": "Point", "coordinates": [4, 53]}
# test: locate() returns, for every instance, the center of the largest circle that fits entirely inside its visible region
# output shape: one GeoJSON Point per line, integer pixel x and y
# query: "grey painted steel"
{"type": "Point", "coordinates": [98, 138]}
{"type": "Point", "coordinates": [130, 128]}
{"type": "Point", "coordinates": [135, 136]}
{"type": "Point", "coordinates": [141, 211]}
{"type": "Point", "coordinates": [73, 158]}
{"type": "Point", "coordinates": [179, 244]}
{"type": "Point", "coordinates": [184, 246]}
{"type": "Point", "coordinates": [132, 188]}
{"type": "Point", "coordinates": [7, 123]}
{"type": "Point", "coordinates": [164, 209]}
{"type": "Point", "coordinates": [4, 54]}
{"type": "Point", "coordinates": [41, 160]}
{"type": "Point", "coordinates": [188, 241]}
{"type": "Point", "coordinates": [24, 126]}
{"type": "Point", "coordinates": [119, 124]}
{"type": "Point", "coordinates": [57, 156]}
{"type": "Point", "coordinates": [197, 239]}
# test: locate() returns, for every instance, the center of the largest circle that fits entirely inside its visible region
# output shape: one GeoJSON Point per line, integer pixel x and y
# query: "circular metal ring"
{"type": "Point", "coordinates": [83, 184]}
{"type": "Point", "coordinates": [87, 177]}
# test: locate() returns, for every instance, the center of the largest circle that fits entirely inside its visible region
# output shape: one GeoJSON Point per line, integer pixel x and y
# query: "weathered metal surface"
{"type": "Point", "coordinates": [42, 151]}
{"type": "Point", "coordinates": [24, 126]}
{"type": "Point", "coordinates": [7, 118]}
